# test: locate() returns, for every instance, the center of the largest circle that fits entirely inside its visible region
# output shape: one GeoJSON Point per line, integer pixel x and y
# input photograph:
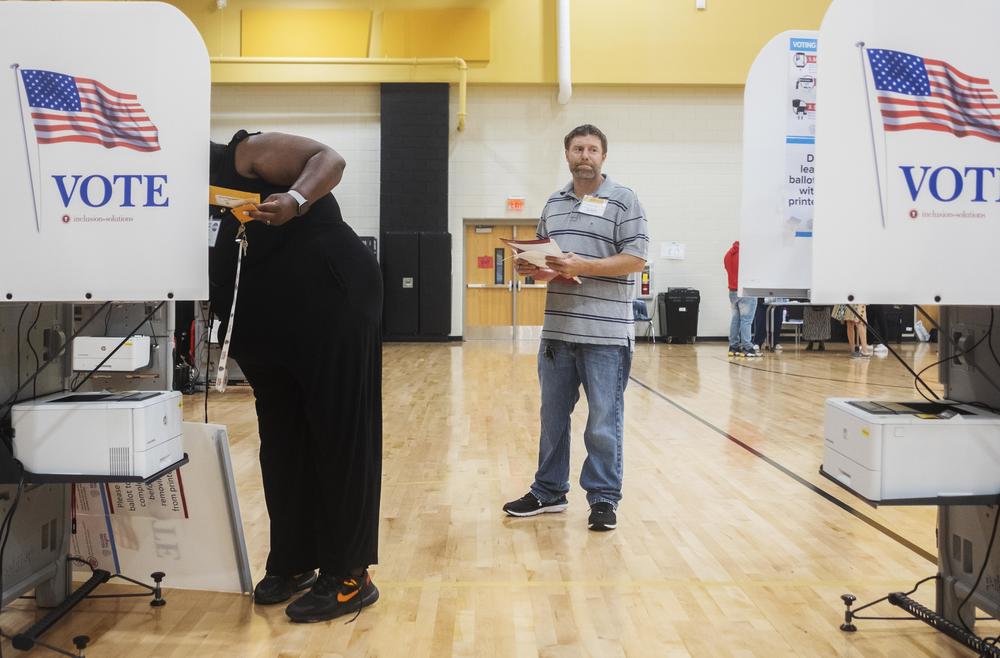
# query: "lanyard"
{"type": "Point", "coordinates": [221, 376]}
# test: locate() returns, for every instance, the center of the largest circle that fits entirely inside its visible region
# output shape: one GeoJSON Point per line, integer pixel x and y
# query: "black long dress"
{"type": "Point", "coordinates": [307, 334]}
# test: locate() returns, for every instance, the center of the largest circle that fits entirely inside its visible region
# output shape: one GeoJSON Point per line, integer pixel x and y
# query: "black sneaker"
{"type": "Point", "coordinates": [332, 597]}
{"type": "Point", "coordinates": [529, 505]}
{"type": "Point", "coordinates": [275, 589]}
{"type": "Point", "coordinates": [602, 517]}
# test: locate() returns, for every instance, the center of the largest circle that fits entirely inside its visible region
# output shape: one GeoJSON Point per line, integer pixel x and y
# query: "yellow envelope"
{"type": "Point", "coordinates": [239, 202]}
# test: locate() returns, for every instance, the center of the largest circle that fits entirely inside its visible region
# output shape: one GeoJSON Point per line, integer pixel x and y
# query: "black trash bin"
{"type": "Point", "coordinates": [678, 312]}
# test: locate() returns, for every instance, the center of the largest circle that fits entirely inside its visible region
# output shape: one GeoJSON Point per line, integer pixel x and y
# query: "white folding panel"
{"type": "Point", "coordinates": [779, 120]}
{"type": "Point", "coordinates": [907, 149]}
{"type": "Point", "coordinates": [104, 124]}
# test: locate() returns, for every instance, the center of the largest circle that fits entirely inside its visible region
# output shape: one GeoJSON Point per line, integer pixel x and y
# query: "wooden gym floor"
{"type": "Point", "coordinates": [729, 542]}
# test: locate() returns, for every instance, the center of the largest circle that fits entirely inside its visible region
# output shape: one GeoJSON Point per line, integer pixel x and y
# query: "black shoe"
{"type": "Point", "coordinates": [529, 505]}
{"type": "Point", "coordinates": [822, 347]}
{"type": "Point", "coordinates": [602, 517]}
{"type": "Point", "coordinates": [809, 347]}
{"type": "Point", "coordinates": [332, 597]}
{"type": "Point", "coordinates": [275, 589]}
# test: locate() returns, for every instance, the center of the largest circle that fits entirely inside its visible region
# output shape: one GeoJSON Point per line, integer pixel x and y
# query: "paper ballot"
{"type": "Point", "coordinates": [534, 252]}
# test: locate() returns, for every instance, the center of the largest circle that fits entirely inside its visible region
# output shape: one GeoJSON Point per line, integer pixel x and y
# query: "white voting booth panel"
{"type": "Point", "coordinates": [186, 524]}
{"type": "Point", "coordinates": [776, 215]}
{"type": "Point", "coordinates": [104, 122]}
{"type": "Point", "coordinates": [907, 185]}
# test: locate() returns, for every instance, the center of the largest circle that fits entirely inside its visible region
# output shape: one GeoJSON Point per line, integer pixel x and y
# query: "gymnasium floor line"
{"type": "Point", "coordinates": [825, 379]}
{"type": "Point", "coordinates": [930, 557]}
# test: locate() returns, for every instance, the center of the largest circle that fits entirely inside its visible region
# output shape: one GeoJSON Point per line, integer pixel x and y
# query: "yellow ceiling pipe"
{"type": "Point", "coordinates": [458, 62]}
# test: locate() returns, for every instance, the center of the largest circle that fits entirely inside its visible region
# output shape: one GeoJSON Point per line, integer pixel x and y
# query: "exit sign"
{"type": "Point", "coordinates": [515, 203]}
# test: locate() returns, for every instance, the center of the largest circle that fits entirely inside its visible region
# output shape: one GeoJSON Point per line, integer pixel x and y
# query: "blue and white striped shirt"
{"type": "Point", "coordinates": [600, 310]}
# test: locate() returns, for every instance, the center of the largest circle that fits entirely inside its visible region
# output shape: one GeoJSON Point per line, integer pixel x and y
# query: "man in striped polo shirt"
{"type": "Point", "coordinates": [589, 331]}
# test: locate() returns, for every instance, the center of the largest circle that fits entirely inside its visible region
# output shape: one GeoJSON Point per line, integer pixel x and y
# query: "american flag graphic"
{"type": "Point", "coordinates": [66, 108]}
{"type": "Point", "coordinates": [917, 93]}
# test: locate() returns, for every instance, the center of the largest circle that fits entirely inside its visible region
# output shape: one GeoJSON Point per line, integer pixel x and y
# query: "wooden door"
{"type": "Point", "coordinates": [489, 290]}
{"type": "Point", "coordinates": [530, 295]}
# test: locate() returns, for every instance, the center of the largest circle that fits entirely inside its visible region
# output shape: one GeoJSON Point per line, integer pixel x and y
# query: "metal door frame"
{"type": "Point", "coordinates": [514, 331]}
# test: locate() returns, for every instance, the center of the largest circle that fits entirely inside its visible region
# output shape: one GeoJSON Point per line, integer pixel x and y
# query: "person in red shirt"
{"type": "Point", "coordinates": [743, 308]}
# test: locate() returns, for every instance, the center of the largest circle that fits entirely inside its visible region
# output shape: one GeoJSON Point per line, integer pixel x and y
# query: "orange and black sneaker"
{"type": "Point", "coordinates": [332, 597]}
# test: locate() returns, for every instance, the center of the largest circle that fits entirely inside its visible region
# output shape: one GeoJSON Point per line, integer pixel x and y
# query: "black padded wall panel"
{"type": "Point", "coordinates": [435, 284]}
{"type": "Point", "coordinates": [414, 165]}
{"type": "Point", "coordinates": [414, 200]}
{"type": "Point", "coordinates": [401, 273]}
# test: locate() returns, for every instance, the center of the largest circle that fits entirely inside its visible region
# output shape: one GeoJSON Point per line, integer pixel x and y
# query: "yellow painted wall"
{"type": "Point", "coordinates": [671, 42]}
{"type": "Point", "coordinates": [458, 32]}
{"type": "Point", "coordinates": [267, 32]}
{"type": "Point", "coordinates": [633, 42]}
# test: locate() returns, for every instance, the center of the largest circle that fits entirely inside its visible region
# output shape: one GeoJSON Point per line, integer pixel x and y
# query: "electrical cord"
{"type": "Point", "coordinates": [76, 383]}
{"type": "Point", "coordinates": [80, 560]}
{"type": "Point", "coordinates": [992, 641]}
{"type": "Point", "coordinates": [9, 402]}
{"type": "Point", "coordinates": [992, 351]}
{"type": "Point", "coordinates": [192, 357]}
{"type": "Point", "coordinates": [38, 313]}
{"type": "Point", "coordinates": [18, 340]}
{"type": "Point", "coordinates": [899, 358]}
{"type": "Point", "coordinates": [7, 524]}
{"type": "Point", "coordinates": [917, 379]}
{"type": "Point", "coordinates": [152, 332]}
{"type": "Point", "coordinates": [983, 405]}
{"type": "Point", "coordinates": [118, 346]}
{"type": "Point", "coordinates": [804, 376]}
{"type": "Point", "coordinates": [929, 318]}
{"type": "Point", "coordinates": [985, 336]}
{"type": "Point", "coordinates": [955, 345]}
{"type": "Point", "coordinates": [107, 320]}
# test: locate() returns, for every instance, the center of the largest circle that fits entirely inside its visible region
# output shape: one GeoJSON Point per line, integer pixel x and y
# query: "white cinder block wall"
{"type": "Point", "coordinates": [678, 148]}
{"type": "Point", "coordinates": [345, 117]}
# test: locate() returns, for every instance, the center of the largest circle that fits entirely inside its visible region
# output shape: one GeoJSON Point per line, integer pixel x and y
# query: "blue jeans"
{"type": "Point", "coordinates": [603, 370]}
{"type": "Point", "coordinates": [739, 327]}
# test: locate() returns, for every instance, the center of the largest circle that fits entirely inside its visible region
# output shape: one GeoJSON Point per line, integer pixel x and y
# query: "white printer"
{"type": "Point", "coordinates": [90, 351]}
{"type": "Point", "coordinates": [131, 433]}
{"type": "Point", "coordinates": [887, 451]}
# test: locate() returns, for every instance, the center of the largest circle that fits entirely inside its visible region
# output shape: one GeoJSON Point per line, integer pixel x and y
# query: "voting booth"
{"type": "Point", "coordinates": [906, 212]}
{"type": "Point", "coordinates": [906, 142]}
{"type": "Point", "coordinates": [105, 127]}
{"type": "Point", "coordinates": [779, 142]}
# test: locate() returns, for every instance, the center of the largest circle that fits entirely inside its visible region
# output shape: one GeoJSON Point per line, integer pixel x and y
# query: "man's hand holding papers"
{"type": "Point", "coordinates": [543, 260]}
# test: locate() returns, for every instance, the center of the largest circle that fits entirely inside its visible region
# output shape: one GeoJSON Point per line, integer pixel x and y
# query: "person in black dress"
{"type": "Point", "coordinates": [307, 335]}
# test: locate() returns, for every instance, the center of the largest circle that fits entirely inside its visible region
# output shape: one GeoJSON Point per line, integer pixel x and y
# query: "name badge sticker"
{"type": "Point", "coordinates": [592, 205]}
